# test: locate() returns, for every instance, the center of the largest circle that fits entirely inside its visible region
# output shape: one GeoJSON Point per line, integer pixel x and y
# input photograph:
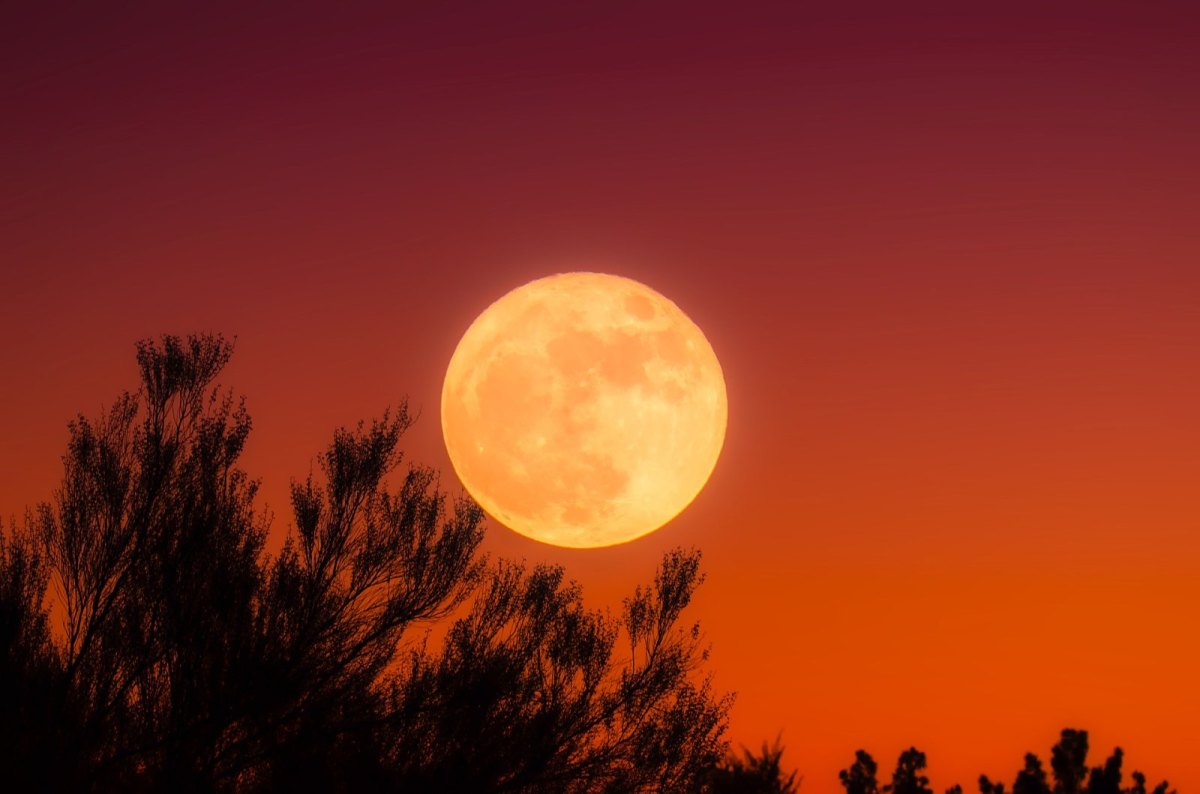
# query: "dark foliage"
{"type": "Point", "coordinates": [190, 659]}
{"type": "Point", "coordinates": [33, 715]}
{"type": "Point", "coordinates": [525, 691]}
{"type": "Point", "coordinates": [754, 774]}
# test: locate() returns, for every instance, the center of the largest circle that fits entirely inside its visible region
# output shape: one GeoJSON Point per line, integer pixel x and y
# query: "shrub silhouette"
{"type": "Point", "coordinates": [189, 659]}
{"type": "Point", "coordinates": [748, 773]}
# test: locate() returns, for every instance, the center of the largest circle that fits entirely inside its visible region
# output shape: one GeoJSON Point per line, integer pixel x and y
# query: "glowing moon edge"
{"type": "Point", "coordinates": [584, 410]}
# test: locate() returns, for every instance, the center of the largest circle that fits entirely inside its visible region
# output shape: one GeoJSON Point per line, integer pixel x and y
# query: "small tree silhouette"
{"type": "Point", "coordinates": [860, 777]}
{"type": "Point", "coordinates": [1032, 778]}
{"type": "Point", "coordinates": [33, 716]}
{"type": "Point", "coordinates": [1107, 779]}
{"type": "Point", "coordinates": [1139, 785]}
{"type": "Point", "coordinates": [190, 659]}
{"type": "Point", "coordinates": [1068, 759]}
{"type": "Point", "coordinates": [907, 778]}
{"type": "Point", "coordinates": [986, 786]}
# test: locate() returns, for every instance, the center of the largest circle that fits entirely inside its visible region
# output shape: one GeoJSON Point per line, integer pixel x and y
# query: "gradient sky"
{"type": "Point", "coordinates": [949, 259]}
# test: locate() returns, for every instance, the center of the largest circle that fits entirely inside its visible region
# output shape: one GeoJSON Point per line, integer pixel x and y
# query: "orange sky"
{"type": "Point", "coordinates": [948, 260]}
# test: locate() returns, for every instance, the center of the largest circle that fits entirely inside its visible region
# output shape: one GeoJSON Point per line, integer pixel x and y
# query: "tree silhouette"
{"type": "Point", "coordinates": [907, 778]}
{"type": "Point", "coordinates": [1071, 773]}
{"type": "Point", "coordinates": [362, 566]}
{"type": "Point", "coordinates": [1069, 762]}
{"type": "Point", "coordinates": [190, 659]}
{"type": "Point", "coordinates": [1068, 759]}
{"type": "Point", "coordinates": [155, 545]}
{"type": "Point", "coordinates": [1139, 785]}
{"type": "Point", "coordinates": [33, 716]}
{"type": "Point", "coordinates": [1032, 778]}
{"type": "Point", "coordinates": [860, 777]}
{"type": "Point", "coordinates": [526, 692]}
{"type": "Point", "coordinates": [987, 786]}
{"type": "Point", "coordinates": [1107, 779]}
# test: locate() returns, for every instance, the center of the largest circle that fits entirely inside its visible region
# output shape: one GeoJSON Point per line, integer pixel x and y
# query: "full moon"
{"type": "Point", "coordinates": [584, 410]}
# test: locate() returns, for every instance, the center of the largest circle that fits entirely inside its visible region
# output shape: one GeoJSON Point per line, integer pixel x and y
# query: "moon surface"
{"type": "Point", "coordinates": [584, 410]}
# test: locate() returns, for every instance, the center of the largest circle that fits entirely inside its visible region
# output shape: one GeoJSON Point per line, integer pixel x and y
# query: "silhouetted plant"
{"type": "Point", "coordinates": [1032, 778]}
{"type": "Point", "coordinates": [748, 773]}
{"type": "Point", "coordinates": [1069, 762]}
{"type": "Point", "coordinates": [191, 659]}
{"type": "Point", "coordinates": [155, 547]}
{"type": "Point", "coordinates": [528, 689]}
{"type": "Point", "coordinates": [361, 567]}
{"type": "Point", "coordinates": [1068, 759]}
{"type": "Point", "coordinates": [907, 778]}
{"type": "Point", "coordinates": [33, 717]}
{"type": "Point", "coordinates": [860, 777]}
{"type": "Point", "coordinates": [1139, 785]}
{"type": "Point", "coordinates": [987, 786]}
{"type": "Point", "coordinates": [1107, 779]}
